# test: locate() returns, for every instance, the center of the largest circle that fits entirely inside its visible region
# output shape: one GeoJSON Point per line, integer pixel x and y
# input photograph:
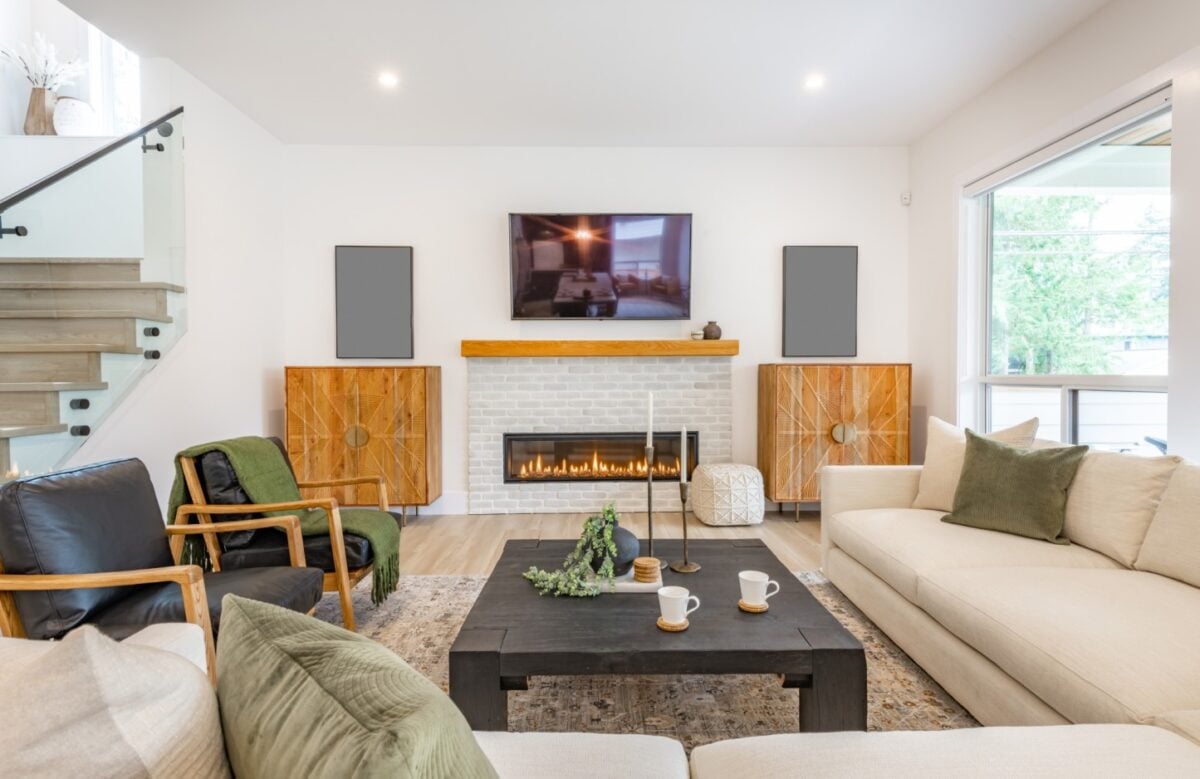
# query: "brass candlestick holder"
{"type": "Point", "coordinates": [685, 565]}
{"type": "Point", "coordinates": [650, 502]}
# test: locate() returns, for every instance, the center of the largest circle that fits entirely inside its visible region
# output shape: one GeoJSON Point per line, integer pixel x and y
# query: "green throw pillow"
{"type": "Point", "coordinates": [300, 697]}
{"type": "Point", "coordinates": [1018, 491]}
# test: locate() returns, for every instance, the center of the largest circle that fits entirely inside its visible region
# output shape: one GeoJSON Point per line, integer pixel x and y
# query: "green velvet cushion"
{"type": "Point", "coordinates": [1018, 491]}
{"type": "Point", "coordinates": [300, 697]}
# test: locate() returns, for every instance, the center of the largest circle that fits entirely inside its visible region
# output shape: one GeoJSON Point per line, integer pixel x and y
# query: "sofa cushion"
{"type": "Point", "coordinates": [900, 545]}
{"type": "Point", "coordinates": [1055, 751]}
{"type": "Point", "coordinates": [300, 697]}
{"type": "Point", "coordinates": [1112, 500]}
{"type": "Point", "coordinates": [92, 707]}
{"type": "Point", "coordinates": [101, 517]}
{"type": "Point", "coordinates": [1098, 646]}
{"type": "Point", "coordinates": [1017, 491]}
{"type": "Point", "coordinates": [1185, 723]}
{"type": "Point", "coordinates": [945, 448]}
{"type": "Point", "coordinates": [1172, 545]}
{"type": "Point", "coordinates": [297, 589]}
{"type": "Point", "coordinates": [582, 755]}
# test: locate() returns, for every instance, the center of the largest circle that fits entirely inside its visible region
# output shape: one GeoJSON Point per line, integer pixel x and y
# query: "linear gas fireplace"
{"type": "Point", "coordinates": [544, 457]}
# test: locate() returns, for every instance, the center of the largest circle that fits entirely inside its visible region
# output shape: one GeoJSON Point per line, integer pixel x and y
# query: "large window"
{"type": "Point", "coordinates": [1077, 269]}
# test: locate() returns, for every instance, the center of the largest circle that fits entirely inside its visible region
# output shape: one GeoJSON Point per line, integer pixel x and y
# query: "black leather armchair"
{"type": "Point", "coordinates": [217, 495]}
{"type": "Point", "coordinates": [88, 545]}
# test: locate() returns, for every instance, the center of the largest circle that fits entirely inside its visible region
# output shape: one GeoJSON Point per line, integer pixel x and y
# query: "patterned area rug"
{"type": "Point", "coordinates": [420, 622]}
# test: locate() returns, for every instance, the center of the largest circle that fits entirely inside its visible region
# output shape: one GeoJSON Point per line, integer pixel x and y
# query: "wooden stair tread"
{"type": "Point", "coordinates": [38, 348]}
{"type": "Point", "coordinates": [18, 431]}
{"type": "Point", "coordinates": [40, 313]}
{"type": "Point", "coordinates": [163, 285]}
{"type": "Point", "coordinates": [68, 260]}
{"type": "Point", "coordinates": [52, 386]}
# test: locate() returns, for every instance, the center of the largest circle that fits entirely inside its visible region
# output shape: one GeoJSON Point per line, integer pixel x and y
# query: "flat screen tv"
{"type": "Point", "coordinates": [601, 266]}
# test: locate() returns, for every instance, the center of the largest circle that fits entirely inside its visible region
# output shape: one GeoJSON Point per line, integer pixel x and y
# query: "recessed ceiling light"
{"type": "Point", "coordinates": [814, 81]}
{"type": "Point", "coordinates": [388, 80]}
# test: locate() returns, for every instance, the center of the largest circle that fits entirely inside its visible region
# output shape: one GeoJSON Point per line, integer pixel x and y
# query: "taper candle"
{"type": "Point", "coordinates": [649, 420]}
{"type": "Point", "coordinates": [683, 461]}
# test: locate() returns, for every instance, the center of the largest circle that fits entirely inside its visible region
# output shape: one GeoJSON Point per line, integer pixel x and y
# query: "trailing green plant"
{"type": "Point", "coordinates": [577, 578]}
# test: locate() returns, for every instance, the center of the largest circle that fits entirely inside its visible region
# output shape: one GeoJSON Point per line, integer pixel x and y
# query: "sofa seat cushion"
{"type": "Point", "coordinates": [1185, 723]}
{"type": "Point", "coordinates": [271, 548]}
{"type": "Point", "coordinates": [1055, 751]}
{"type": "Point", "coordinates": [1097, 646]}
{"type": "Point", "coordinates": [900, 545]}
{"type": "Point", "coordinates": [297, 589]}
{"type": "Point", "coordinates": [582, 755]}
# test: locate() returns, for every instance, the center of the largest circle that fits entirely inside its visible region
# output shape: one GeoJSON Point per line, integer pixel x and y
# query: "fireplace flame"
{"type": "Point", "coordinates": [595, 468]}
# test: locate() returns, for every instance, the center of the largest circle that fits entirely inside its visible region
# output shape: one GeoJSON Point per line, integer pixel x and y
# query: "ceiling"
{"type": "Point", "coordinates": [603, 73]}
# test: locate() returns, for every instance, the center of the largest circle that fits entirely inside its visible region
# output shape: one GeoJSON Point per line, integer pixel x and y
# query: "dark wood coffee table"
{"type": "Point", "coordinates": [513, 633]}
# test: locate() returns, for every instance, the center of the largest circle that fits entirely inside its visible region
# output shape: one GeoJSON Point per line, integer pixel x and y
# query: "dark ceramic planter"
{"type": "Point", "coordinates": [628, 548]}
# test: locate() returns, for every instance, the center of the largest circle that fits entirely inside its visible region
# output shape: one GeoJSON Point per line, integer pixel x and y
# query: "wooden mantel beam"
{"type": "Point", "coordinates": [678, 347]}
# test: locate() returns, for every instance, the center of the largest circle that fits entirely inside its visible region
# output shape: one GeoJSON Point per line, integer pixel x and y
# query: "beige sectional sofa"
{"type": "Point", "coordinates": [1024, 632]}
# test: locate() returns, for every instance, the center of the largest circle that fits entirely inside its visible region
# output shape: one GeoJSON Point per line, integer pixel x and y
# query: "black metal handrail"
{"type": "Point", "coordinates": [29, 191]}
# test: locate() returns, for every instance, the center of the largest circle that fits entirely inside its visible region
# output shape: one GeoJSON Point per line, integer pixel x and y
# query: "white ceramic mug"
{"type": "Point", "coordinates": [754, 587]}
{"type": "Point", "coordinates": [673, 601]}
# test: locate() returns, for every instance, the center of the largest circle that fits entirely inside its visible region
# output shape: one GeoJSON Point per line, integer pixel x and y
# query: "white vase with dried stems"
{"type": "Point", "coordinates": [41, 67]}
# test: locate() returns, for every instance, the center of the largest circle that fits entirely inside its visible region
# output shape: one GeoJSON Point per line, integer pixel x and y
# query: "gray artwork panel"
{"type": "Point", "coordinates": [820, 301]}
{"type": "Point", "coordinates": [374, 301]}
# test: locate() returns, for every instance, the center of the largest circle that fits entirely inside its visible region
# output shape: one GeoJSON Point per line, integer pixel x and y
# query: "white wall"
{"type": "Point", "coordinates": [222, 379]}
{"type": "Point", "coordinates": [1122, 51]}
{"type": "Point", "coordinates": [451, 205]}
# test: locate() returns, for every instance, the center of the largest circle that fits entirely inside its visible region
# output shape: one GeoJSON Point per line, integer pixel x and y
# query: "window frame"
{"type": "Point", "coordinates": [979, 202]}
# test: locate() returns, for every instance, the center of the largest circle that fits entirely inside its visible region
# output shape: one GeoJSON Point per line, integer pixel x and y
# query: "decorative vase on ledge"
{"type": "Point", "coordinates": [712, 331]}
{"type": "Point", "coordinates": [39, 118]}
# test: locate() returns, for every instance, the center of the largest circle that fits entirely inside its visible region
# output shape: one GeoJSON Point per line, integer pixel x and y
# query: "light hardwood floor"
{"type": "Point", "coordinates": [469, 545]}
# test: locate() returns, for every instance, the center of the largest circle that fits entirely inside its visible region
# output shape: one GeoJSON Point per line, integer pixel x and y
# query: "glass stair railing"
{"type": "Point", "coordinates": [91, 291]}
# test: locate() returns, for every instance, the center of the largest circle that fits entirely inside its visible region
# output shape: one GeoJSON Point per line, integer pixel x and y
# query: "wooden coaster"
{"type": "Point", "coordinates": [746, 607]}
{"type": "Point", "coordinates": [667, 626]}
{"type": "Point", "coordinates": [645, 569]}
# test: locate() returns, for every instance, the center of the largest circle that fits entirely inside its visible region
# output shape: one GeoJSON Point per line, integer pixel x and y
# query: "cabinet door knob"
{"type": "Point", "coordinates": [844, 433]}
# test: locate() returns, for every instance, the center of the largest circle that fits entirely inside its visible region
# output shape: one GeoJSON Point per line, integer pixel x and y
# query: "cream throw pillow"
{"type": "Point", "coordinates": [1112, 501]}
{"type": "Point", "coordinates": [88, 706]}
{"type": "Point", "coordinates": [1172, 546]}
{"type": "Point", "coordinates": [945, 448]}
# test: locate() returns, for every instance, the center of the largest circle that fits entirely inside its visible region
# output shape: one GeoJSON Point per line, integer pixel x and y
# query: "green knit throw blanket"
{"type": "Point", "coordinates": [265, 476]}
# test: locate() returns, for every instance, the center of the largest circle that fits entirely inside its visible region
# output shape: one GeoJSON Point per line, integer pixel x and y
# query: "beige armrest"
{"type": "Point", "coordinates": [854, 487]}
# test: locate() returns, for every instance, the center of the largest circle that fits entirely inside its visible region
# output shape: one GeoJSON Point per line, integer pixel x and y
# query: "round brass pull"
{"type": "Point", "coordinates": [844, 433]}
{"type": "Point", "coordinates": [356, 436]}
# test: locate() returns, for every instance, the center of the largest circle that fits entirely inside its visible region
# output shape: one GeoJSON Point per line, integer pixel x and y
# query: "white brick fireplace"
{"type": "Point", "coordinates": [589, 395]}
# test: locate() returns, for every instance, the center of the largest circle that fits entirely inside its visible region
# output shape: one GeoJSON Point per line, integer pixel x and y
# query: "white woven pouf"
{"type": "Point", "coordinates": [727, 494]}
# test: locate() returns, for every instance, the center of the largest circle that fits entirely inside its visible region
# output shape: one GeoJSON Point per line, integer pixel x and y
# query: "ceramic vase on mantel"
{"type": "Point", "coordinates": [712, 331]}
{"type": "Point", "coordinates": [39, 118]}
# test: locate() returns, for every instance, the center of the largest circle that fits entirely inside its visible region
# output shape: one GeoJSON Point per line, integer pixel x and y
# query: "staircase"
{"type": "Point", "coordinates": [77, 333]}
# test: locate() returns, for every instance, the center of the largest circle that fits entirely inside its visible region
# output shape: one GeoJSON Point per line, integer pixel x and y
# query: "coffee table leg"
{"type": "Point", "coordinates": [837, 696]}
{"type": "Point", "coordinates": [475, 685]}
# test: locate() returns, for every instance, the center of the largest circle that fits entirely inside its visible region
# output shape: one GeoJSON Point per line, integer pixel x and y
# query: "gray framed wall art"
{"type": "Point", "coordinates": [374, 294]}
{"type": "Point", "coordinates": [820, 301]}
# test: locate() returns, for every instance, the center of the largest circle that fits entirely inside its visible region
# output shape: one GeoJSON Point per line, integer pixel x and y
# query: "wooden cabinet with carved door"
{"type": "Point", "coordinates": [813, 415]}
{"type": "Point", "coordinates": [385, 421]}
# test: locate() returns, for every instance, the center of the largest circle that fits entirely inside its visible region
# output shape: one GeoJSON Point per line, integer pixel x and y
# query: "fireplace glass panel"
{"type": "Point", "coordinates": [539, 457]}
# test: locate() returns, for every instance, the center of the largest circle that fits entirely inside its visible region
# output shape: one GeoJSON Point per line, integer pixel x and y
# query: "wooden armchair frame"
{"type": "Point", "coordinates": [341, 580]}
{"type": "Point", "coordinates": [190, 579]}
